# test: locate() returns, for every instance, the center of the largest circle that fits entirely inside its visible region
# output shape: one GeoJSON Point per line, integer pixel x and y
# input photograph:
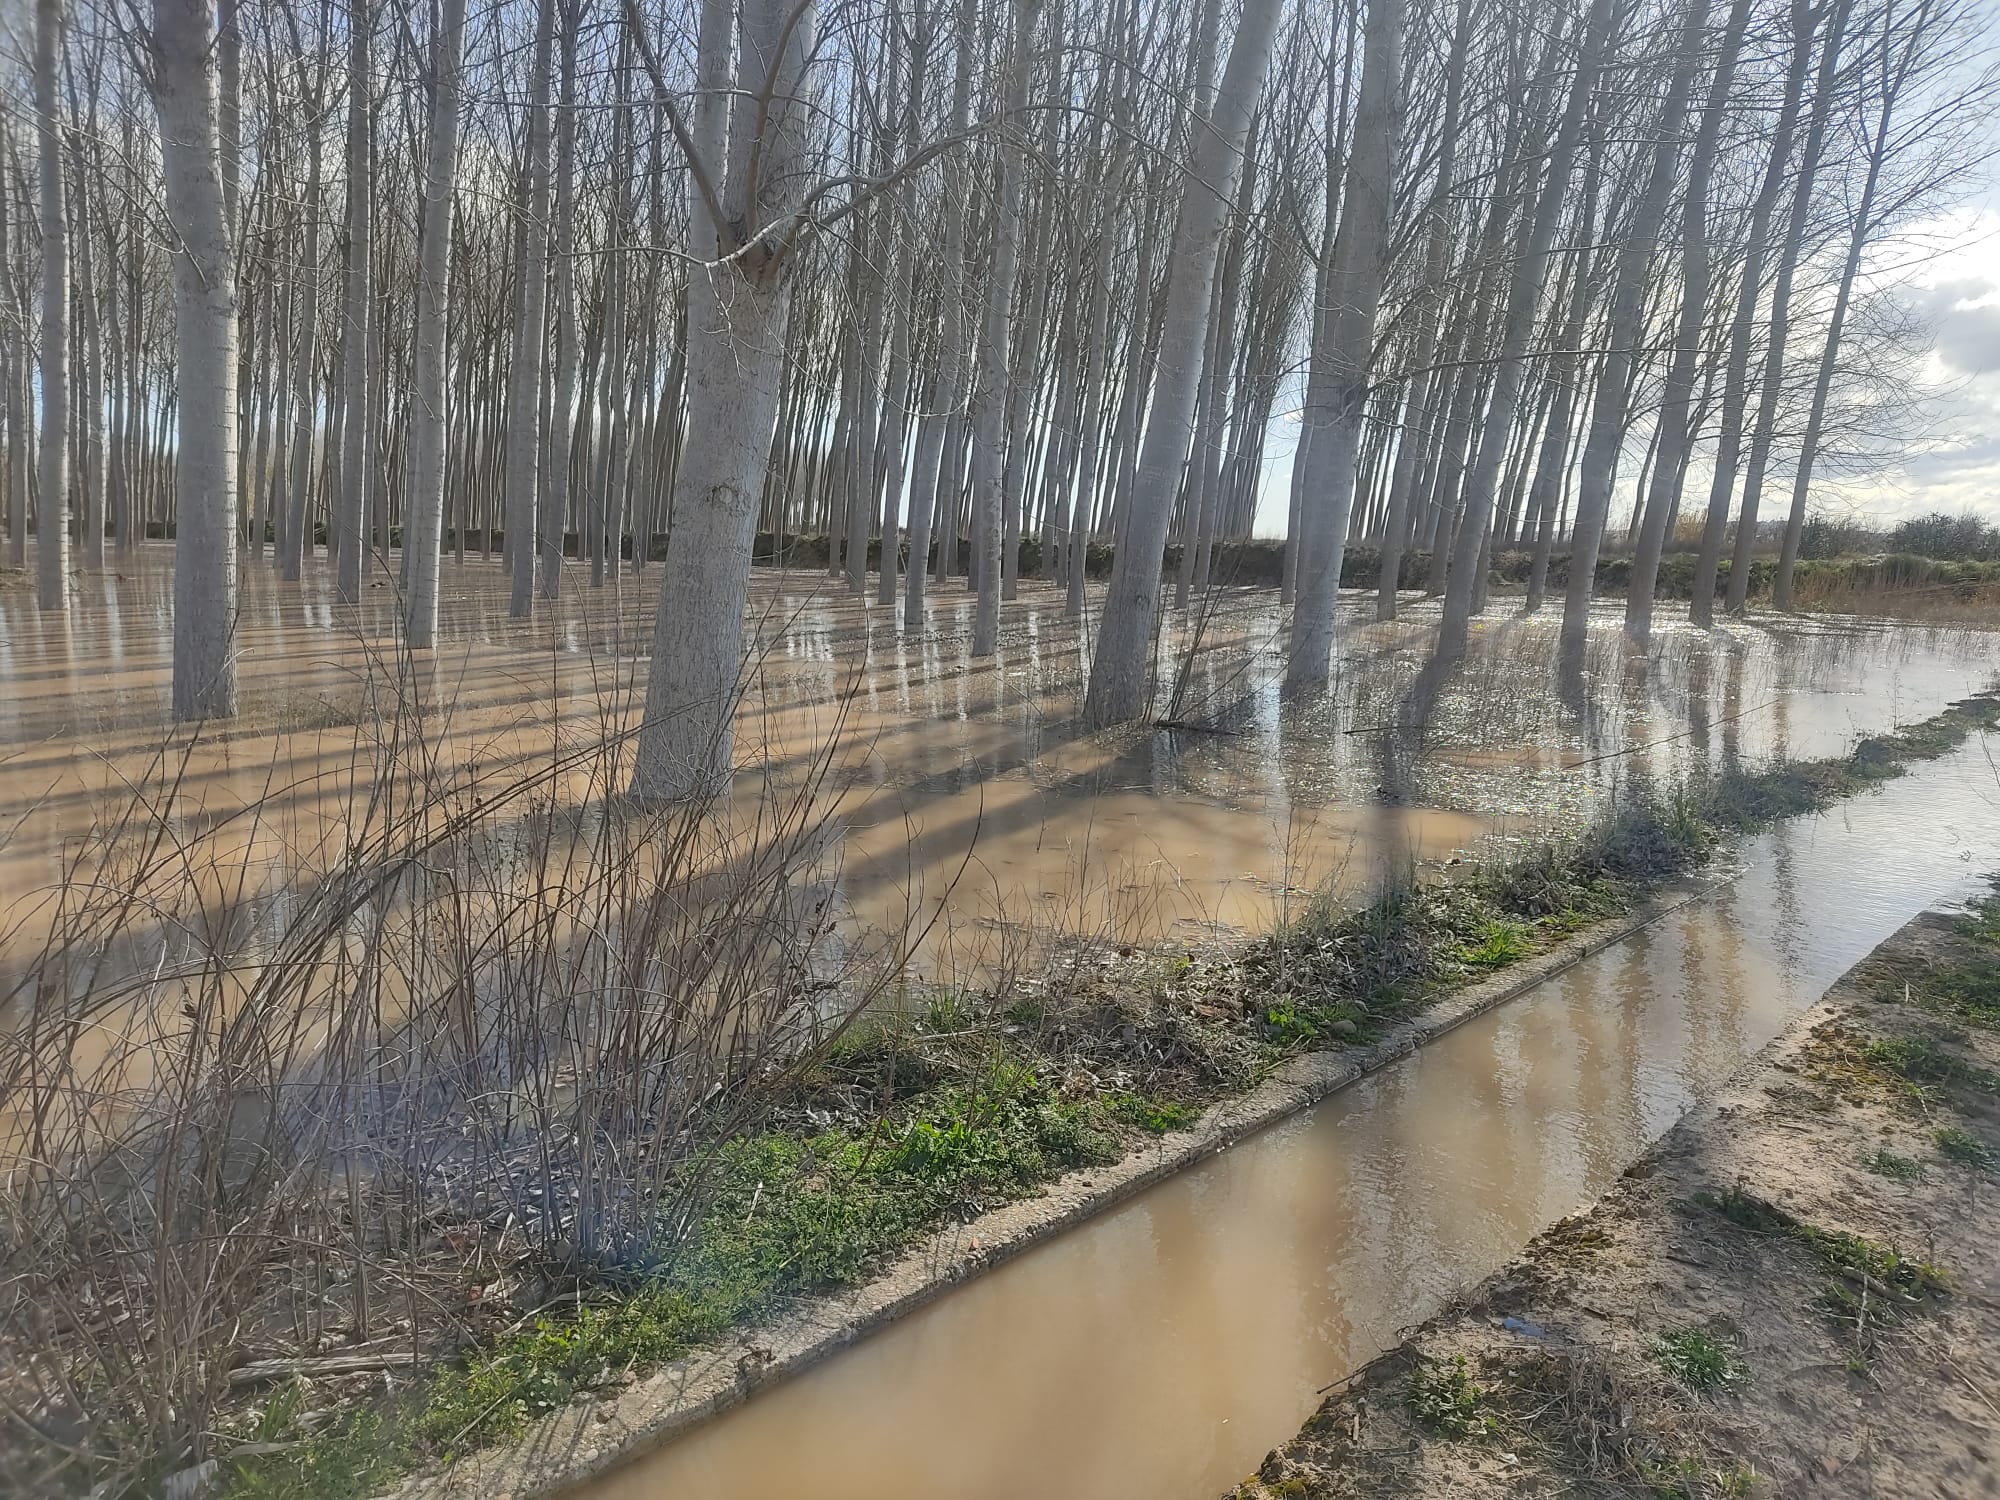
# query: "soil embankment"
{"type": "Point", "coordinates": [1796, 1292]}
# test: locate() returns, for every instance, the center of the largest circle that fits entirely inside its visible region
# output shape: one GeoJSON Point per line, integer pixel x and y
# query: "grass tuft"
{"type": "Point", "coordinates": [1698, 1360]}
{"type": "Point", "coordinates": [1962, 1146]}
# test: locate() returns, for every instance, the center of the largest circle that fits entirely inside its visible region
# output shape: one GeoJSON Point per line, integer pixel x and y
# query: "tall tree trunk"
{"type": "Point", "coordinates": [1779, 329]}
{"type": "Point", "coordinates": [1097, 345]}
{"type": "Point", "coordinates": [1119, 676]}
{"type": "Point", "coordinates": [1423, 353]}
{"type": "Point", "coordinates": [186, 95]}
{"type": "Point", "coordinates": [1662, 499]}
{"type": "Point", "coordinates": [948, 383]}
{"type": "Point", "coordinates": [555, 500]}
{"type": "Point", "coordinates": [298, 528]}
{"type": "Point", "coordinates": [52, 517]}
{"type": "Point", "coordinates": [357, 458]}
{"type": "Point", "coordinates": [990, 396]}
{"type": "Point", "coordinates": [14, 348]}
{"type": "Point", "coordinates": [424, 528]}
{"type": "Point", "coordinates": [90, 448]}
{"type": "Point", "coordinates": [1623, 329]}
{"type": "Point", "coordinates": [1337, 384]}
{"type": "Point", "coordinates": [903, 310]}
{"type": "Point", "coordinates": [1742, 333]}
{"type": "Point", "coordinates": [737, 303]}
{"type": "Point", "coordinates": [1894, 76]}
{"type": "Point", "coordinates": [524, 383]}
{"type": "Point", "coordinates": [1523, 297]}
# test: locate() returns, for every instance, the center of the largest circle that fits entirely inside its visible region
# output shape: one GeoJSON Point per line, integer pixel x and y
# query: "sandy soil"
{"type": "Point", "coordinates": [1836, 1381]}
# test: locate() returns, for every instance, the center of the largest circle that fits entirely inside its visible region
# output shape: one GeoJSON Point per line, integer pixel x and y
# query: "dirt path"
{"type": "Point", "coordinates": [1796, 1293]}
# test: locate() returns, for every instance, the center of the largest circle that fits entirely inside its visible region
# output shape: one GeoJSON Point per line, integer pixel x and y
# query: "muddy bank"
{"type": "Point", "coordinates": [1794, 1292]}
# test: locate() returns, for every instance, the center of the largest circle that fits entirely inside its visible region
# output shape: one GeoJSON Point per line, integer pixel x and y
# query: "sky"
{"type": "Point", "coordinates": [1946, 273]}
{"type": "Point", "coordinates": [1959, 293]}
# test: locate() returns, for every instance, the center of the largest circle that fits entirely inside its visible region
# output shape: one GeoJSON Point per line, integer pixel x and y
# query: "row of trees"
{"type": "Point", "coordinates": [588, 277]}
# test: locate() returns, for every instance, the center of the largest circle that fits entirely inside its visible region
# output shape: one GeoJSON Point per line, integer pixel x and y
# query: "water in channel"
{"type": "Point", "coordinates": [1158, 1352]}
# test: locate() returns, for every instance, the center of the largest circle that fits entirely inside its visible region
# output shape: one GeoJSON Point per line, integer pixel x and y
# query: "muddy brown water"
{"type": "Point", "coordinates": [961, 797]}
{"type": "Point", "coordinates": [1159, 1351]}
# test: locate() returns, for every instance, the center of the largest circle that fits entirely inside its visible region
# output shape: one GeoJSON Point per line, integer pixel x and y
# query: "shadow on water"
{"type": "Point", "coordinates": [1160, 1350]}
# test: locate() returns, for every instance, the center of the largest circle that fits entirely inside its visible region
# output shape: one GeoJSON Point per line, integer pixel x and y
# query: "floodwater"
{"type": "Point", "coordinates": [959, 796]}
{"type": "Point", "coordinates": [1158, 1352]}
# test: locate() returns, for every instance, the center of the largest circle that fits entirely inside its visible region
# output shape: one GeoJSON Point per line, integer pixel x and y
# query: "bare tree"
{"type": "Point", "coordinates": [745, 159]}
{"type": "Point", "coordinates": [1119, 678]}
{"type": "Point", "coordinates": [1337, 392]}
{"type": "Point", "coordinates": [52, 524]}
{"type": "Point", "coordinates": [425, 536]}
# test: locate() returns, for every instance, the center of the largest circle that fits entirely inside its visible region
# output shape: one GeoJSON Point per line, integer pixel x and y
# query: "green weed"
{"type": "Point", "coordinates": [1295, 1022]}
{"type": "Point", "coordinates": [1444, 1400]}
{"type": "Point", "coordinates": [1698, 1360]}
{"type": "Point", "coordinates": [1867, 1263]}
{"type": "Point", "coordinates": [1889, 1164]}
{"type": "Point", "coordinates": [1685, 1479]}
{"type": "Point", "coordinates": [1925, 1058]}
{"type": "Point", "coordinates": [1148, 1113]}
{"type": "Point", "coordinates": [1499, 941]}
{"type": "Point", "coordinates": [1963, 1147]}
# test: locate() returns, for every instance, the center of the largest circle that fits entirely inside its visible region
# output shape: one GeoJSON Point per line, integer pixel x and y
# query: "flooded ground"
{"type": "Point", "coordinates": [1158, 1352]}
{"type": "Point", "coordinates": [960, 797]}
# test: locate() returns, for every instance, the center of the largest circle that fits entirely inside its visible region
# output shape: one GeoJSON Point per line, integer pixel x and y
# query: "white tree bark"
{"type": "Point", "coordinates": [1624, 326]}
{"type": "Point", "coordinates": [896, 414]}
{"type": "Point", "coordinates": [52, 516]}
{"type": "Point", "coordinates": [1662, 497]}
{"type": "Point", "coordinates": [1119, 674]}
{"type": "Point", "coordinates": [948, 384]}
{"type": "Point", "coordinates": [298, 527]}
{"type": "Point", "coordinates": [13, 347]}
{"type": "Point", "coordinates": [990, 394]}
{"type": "Point", "coordinates": [1857, 242]}
{"type": "Point", "coordinates": [736, 324]}
{"type": "Point", "coordinates": [555, 499]}
{"type": "Point", "coordinates": [357, 457]}
{"type": "Point", "coordinates": [186, 95]}
{"type": "Point", "coordinates": [1523, 300]}
{"type": "Point", "coordinates": [423, 535]}
{"type": "Point", "coordinates": [1779, 328]}
{"type": "Point", "coordinates": [524, 382]}
{"type": "Point", "coordinates": [1337, 385]}
{"type": "Point", "coordinates": [1736, 373]}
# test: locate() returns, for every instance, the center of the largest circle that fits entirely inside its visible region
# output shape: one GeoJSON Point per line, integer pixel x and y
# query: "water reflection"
{"type": "Point", "coordinates": [1161, 1350]}
{"type": "Point", "coordinates": [958, 785]}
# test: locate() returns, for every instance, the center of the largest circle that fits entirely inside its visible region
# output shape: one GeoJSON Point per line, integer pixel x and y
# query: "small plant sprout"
{"type": "Point", "coordinates": [1699, 1360]}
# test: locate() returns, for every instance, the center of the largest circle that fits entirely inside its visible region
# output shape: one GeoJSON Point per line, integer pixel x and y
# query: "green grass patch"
{"type": "Point", "coordinates": [1687, 1479]}
{"type": "Point", "coordinates": [1699, 1360]}
{"type": "Point", "coordinates": [1152, 1114]}
{"type": "Point", "coordinates": [1955, 1144]}
{"type": "Point", "coordinates": [1926, 1058]}
{"type": "Point", "coordinates": [786, 1216]}
{"type": "Point", "coordinates": [1500, 941]}
{"type": "Point", "coordinates": [1896, 1168]}
{"type": "Point", "coordinates": [1858, 1265]}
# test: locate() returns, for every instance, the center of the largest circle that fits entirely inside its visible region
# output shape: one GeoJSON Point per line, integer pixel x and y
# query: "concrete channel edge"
{"type": "Point", "coordinates": [596, 1434]}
